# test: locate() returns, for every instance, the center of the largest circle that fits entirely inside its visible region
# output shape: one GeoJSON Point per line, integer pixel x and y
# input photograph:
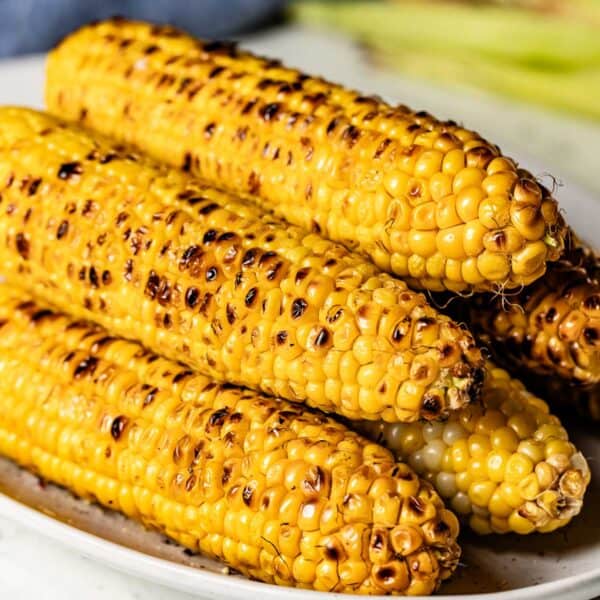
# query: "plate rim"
{"type": "Point", "coordinates": [198, 582]}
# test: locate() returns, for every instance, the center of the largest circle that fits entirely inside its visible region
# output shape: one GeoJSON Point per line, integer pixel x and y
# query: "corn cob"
{"type": "Point", "coordinates": [503, 466]}
{"type": "Point", "coordinates": [152, 255]}
{"type": "Point", "coordinates": [565, 396]}
{"type": "Point", "coordinates": [429, 201]}
{"type": "Point", "coordinates": [279, 493]}
{"type": "Point", "coordinates": [550, 328]}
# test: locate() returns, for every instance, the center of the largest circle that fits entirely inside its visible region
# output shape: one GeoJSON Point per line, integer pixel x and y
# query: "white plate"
{"type": "Point", "coordinates": [506, 568]}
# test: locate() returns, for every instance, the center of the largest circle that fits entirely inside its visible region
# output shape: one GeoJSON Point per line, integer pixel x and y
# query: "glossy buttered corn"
{"type": "Point", "coordinates": [429, 201]}
{"type": "Point", "coordinates": [279, 493]}
{"type": "Point", "coordinates": [503, 466]}
{"type": "Point", "coordinates": [153, 255]}
{"type": "Point", "coordinates": [549, 328]}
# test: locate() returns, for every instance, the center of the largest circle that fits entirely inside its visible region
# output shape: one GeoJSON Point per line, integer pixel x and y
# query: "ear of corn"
{"type": "Point", "coordinates": [503, 466]}
{"type": "Point", "coordinates": [567, 397]}
{"type": "Point", "coordinates": [550, 328]}
{"type": "Point", "coordinates": [429, 201]}
{"type": "Point", "coordinates": [152, 255]}
{"type": "Point", "coordinates": [277, 492]}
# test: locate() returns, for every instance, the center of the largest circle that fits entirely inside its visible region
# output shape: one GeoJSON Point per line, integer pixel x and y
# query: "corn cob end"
{"type": "Point", "coordinates": [504, 466]}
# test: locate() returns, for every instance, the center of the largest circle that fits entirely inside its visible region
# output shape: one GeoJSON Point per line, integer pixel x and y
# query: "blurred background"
{"type": "Point", "coordinates": [525, 72]}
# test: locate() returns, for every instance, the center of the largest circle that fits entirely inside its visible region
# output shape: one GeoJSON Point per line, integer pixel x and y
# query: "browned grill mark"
{"type": "Point", "coordinates": [149, 398]}
{"type": "Point", "coordinates": [22, 245]}
{"type": "Point", "coordinates": [62, 230]}
{"type": "Point", "coordinates": [86, 367]}
{"type": "Point", "coordinates": [69, 170]}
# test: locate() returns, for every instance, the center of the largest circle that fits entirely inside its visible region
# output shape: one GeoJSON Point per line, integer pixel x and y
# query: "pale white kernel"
{"type": "Point", "coordinates": [433, 431]}
{"type": "Point", "coordinates": [454, 432]}
{"type": "Point", "coordinates": [445, 484]}
{"type": "Point", "coordinates": [433, 454]}
{"type": "Point", "coordinates": [461, 504]}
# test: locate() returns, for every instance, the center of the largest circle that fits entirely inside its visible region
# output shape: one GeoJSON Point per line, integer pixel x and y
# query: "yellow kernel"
{"type": "Point", "coordinates": [530, 259]}
{"type": "Point", "coordinates": [504, 438]}
{"type": "Point", "coordinates": [550, 431]}
{"type": "Point", "coordinates": [490, 421]}
{"type": "Point", "coordinates": [446, 214]}
{"type": "Point", "coordinates": [497, 506]}
{"type": "Point", "coordinates": [480, 492]}
{"type": "Point", "coordinates": [480, 525]}
{"type": "Point", "coordinates": [454, 270]}
{"type": "Point", "coordinates": [473, 235]}
{"type": "Point", "coordinates": [435, 265]}
{"type": "Point", "coordinates": [386, 509]}
{"type": "Point", "coordinates": [554, 447]}
{"type": "Point", "coordinates": [440, 186]}
{"type": "Point", "coordinates": [494, 212]}
{"type": "Point", "coordinates": [535, 451]}
{"type": "Point", "coordinates": [463, 481]}
{"type": "Point", "coordinates": [470, 272]}
{"type": "Point", "coordinates": [496, 464]}
{"type": "Point", "coordinates": [422, 243]}
{"type": "Point", "coordinates": [507, 240]}
{"type": "Point", "coordinates": [399, 264]}
{"type": "Point", "coordinates": [499, 183]}
{"type": "Point", "coordinates": [500, 163]}
{"type": "Point", "coordinates": [517, 467]}
{"type": "Point", "coordinates": [468, 201]}
{"type": "Point", "coordinates": [399, 214]}
{"type": "Point", "coordinates": [523, 424]}
{"type": "Point", "coordinates": [528, 221]}
{"type": "Point", "coordinates": [428, 164]}
{"type": "Point", "coordinates": [410, 396]}
{"type": "Point", "coordinates": [493, 266]}
{"type": "Point", "coordinates": [529, 487]}
{"type": "Point", "coordinates": [546, 474]}
{"type": "Point", "coordinates": [453, 162]}
{"type": "Point", "coordinates": [450, 242]}
{"type": "Point", "coordinates": [466, 178]}
{"type": "Point", "coordinates": [520, 524]}
{"type": "Point", "coordinates": [499, 525]}
{"type": "Point", "coordinates": [423, 216]}
{"type": "Point", "coordinates": [460, 455]}
{"type": "Point", "coordinates": [396, 183]}
{"type": "Point", "coordinates": [417, 266]}
{"type": "Point", "coordinates": [304, 569]}
{"type": "Point", "coordinates": [478, 469]}
{"type": "Point", "coordinates": [511, 494]}
{"type": "Point", "coordinates": [479, 445]}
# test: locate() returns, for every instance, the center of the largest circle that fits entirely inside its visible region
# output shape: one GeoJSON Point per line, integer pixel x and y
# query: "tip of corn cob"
{"type": "Point", "coordinates": [504, 466]}
{"type": "Point", "coordinates": [551, 327]}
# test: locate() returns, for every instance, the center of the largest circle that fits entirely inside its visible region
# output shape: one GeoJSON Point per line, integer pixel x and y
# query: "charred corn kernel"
{"type": "Point", "coordinates": [305, 148]}
{"type": "Point", "coordinates": [553, 327]}
{"type": "Point", "coordinates": [151, 254]}
{"type": "Point", "coordinates": [504, 466]}
{"type": "Point", "coordinates": [208, 482]}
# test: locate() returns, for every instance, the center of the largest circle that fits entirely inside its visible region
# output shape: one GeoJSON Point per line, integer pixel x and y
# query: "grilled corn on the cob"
{"type": "Point", "coordinates": [549, 328]}
{"type": "Point", "coordinates": [277, 492]}
{"type": "Point", "coordinates": [504, 466]}
{"type": "Point", "coordinates": [567, 397]}
{"type": "Point", "coordinates": [151, 254]}
{"type": "Point", "coordinates": [426, 200]}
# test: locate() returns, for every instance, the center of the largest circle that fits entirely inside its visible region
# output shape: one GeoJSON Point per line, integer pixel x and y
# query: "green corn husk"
{"type": "Point", "coordinates": [538, 57]}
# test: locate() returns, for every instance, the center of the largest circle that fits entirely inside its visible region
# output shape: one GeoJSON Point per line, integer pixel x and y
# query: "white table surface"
{"type": "Point", "coordinates": [31, 566]}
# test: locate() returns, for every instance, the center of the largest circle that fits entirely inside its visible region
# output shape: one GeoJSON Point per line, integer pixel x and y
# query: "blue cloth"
{"type": "Point", "coordinates": [28, 26]}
